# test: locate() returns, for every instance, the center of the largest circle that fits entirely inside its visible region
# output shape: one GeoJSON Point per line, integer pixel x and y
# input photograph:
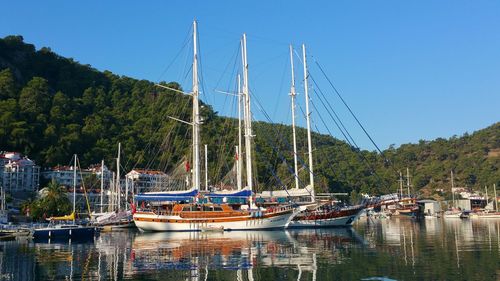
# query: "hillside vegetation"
{"type": "Point", "coordinates": [52, 107]}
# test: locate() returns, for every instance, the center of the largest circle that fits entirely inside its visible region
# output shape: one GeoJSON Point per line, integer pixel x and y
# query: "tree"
{"type": "Point", "coordinates": [52, 202]}
{"type": "Point", "coordinates": [35, 99]}
{"type": "Point", "coordinates": [7, 84]}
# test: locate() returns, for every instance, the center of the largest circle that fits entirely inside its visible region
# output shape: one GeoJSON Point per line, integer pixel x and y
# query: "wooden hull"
{"type": "Point", "coordinates": [154, 222]}
{"type": "Point", "coordinates": [343, 217]}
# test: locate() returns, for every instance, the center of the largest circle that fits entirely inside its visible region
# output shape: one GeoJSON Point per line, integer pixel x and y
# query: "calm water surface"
{"type": "Point", "coordinates": [389, 249]}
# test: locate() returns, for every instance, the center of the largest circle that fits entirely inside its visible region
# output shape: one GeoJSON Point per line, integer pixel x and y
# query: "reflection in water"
{"type": "Point", "coordinates": [399, 249]}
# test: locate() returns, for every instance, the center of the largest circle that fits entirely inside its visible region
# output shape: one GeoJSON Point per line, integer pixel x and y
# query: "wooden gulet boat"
{"type": "Point", "coordinates": [316, 214]}
{"type": "Point", "coordinates": [180, 211]}
{"type": "Point", "coordinates": [198, 217]}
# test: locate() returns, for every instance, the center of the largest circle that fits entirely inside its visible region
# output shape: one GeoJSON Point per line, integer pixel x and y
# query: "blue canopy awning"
{"type": "Point", "coordinates": [167, 196]}
{"type": "Point", "coordinates": [238, 193]}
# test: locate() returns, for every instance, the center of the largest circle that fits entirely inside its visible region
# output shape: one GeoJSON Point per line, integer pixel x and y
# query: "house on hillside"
{"type": "Point", "coordinates": [18, 173]}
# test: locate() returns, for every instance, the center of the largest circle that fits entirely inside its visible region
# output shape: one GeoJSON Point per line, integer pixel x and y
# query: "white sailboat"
{"type": "Point", "coordinates": [453, 212]}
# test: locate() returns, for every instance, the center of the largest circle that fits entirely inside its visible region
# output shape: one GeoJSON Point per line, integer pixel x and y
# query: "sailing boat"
{"type": "Point", "coordinates": [115, 218]}
{"type": "Point", "coordinates": [488, 213]}
{"type": "Point", "coordinates": [65, 231]}
{"type": "Point", "coordinates": [453, 212]}
{"type": "Point", "coordinates": [181, 211]}
{"type": "Point", "coordinates": [316, 214]}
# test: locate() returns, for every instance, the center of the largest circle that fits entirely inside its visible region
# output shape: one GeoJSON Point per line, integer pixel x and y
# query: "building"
{"type": "Point", "coordinates": [18, 173]}
{"type": "Point", "coordinates": [429, 207]}
{"type": "Point", "coordinates": [153, 180]}
{"type": "Point", "coordinates": [64, 175]}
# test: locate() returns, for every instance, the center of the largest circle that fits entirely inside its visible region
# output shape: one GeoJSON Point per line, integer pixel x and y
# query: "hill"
{"type": "Point", "coordinates": [52, 107]}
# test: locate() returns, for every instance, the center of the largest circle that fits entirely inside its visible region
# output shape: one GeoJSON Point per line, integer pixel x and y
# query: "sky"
{"type": "Point", "coordinates": [409, 70]}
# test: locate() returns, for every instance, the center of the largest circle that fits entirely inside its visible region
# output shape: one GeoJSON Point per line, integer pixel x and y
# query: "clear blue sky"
{"type": "Point", "coordinates": [410, 69]}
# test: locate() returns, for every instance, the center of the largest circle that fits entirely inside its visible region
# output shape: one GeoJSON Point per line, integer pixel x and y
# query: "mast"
{"type": "Point", "coordinates": [118, 187]}
{"type": "Point", "coordinates": [408, 180]}
{"type": "Point", "coordinates": [486, 189]}
{"type": "Point", "coordinates": [196, 113]}
{"type": "Point", "coordinates": [308, 119]}
{"type": "Point", "coordinates": [239, 163]}
{"type": "Point", "coordinates": [401, 184]}
{"type": "Point", "coordinates": [247, 117]}
{"type": "Point", "coordinates": [292, 95]}
{"type": "Point", "coordinates": [206, 168]}
{"type": "Point", "coordinates": [452, 187]}
{"type": "Point", "coordinates": [74, 189]}
{"type": "Point", "coordinates": [495, 194]}
{"type": "Point", "coordinates": [102, 183]}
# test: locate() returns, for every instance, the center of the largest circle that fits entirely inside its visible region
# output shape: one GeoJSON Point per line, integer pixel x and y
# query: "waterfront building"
{"type": "Point", "coordinates": [142, 180]}
{"type": "Point", "coordinates": [18, 173]}
{"type": "Point", "coordinates": [63, 175]}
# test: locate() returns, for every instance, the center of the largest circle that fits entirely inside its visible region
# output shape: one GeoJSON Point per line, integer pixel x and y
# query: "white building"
{"type": "Point", "coordinates": [153, 180]}
{"type": "Point", "coordinates": [18, 173]}
{"type": "Point", "coordinates": [64, 175]}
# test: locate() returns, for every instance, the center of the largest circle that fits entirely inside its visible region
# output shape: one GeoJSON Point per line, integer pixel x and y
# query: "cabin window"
{"type": "Point", "coordinates": [186, 209]}
{"type": "Point", "coordinates": [217, 209]}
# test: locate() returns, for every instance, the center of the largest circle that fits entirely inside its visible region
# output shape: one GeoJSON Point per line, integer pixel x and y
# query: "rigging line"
{"type": "Point", "coordinates": [261, 109]}
{"type": "Point", "coordinates": [386, 160]}
{"type": "Point", "coordinates": [331, 164]}
{"type": "Point", "coordinates": [357, 150]}
{"type": "Point", "coordinates": [280, 89]}
{"type": "Point", "coordinates": [186, 41]}
{"type": "Point", "coordinates": [327, 128]}
{"type": "Point", "coordinates": [259, 106]}
{"type": "Point", "coordinates": [233, 57]}
{"type": "Point", "coordinates": [347, 106]}
{"type": "Point", "coordinates": [156, 150]}
{"type": "Point", "coordinates": [322, 96]}
{"type": "Point", "coordinates": [150, 142]}
{"type": "Point", "coordinates": [269, 168]}
{"type": "Point", "coordinates": [204, 93]}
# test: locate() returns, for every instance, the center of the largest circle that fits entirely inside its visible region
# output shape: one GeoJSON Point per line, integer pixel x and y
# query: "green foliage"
{"type": "Point", "coordinates": [52, 107]}
{"type": "Point", "coordinates": [52, 202]}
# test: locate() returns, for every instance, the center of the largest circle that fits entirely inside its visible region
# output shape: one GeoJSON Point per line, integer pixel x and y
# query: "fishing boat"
{"type": "Point", "coordinates": [184, 211]}
{"type": "Point", "coordinates": [65, 227]}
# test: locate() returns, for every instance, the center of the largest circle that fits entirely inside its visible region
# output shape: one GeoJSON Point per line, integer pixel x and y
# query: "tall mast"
{"type": "Point", "coordinates": [196, 112]}
{"type": "Point", "coordinates": [74, 189]}
{"type": "Point", "coordinates": [248, 117]}
{"type": "Point", "coordinates": [118, 187]}
{"type": "Point", "coordinates": [408, 180]}
{"type": "Point", "coordinates": [239, 162]}
{"type": "Point", "coordinates": [452, 187]}
{"type": "Point", "coordinates": [292, 95]}
{"type": "Point", "coordinates": [495, 194]}
{"type": "Point", "coordinates": [102, 183]}
{"type": "Point", "coordinates": [308, 119]}
{"type": "Point", "coordinates": [206, 167]}
{"type": "Point", "coordinates": [401, 184]}
{"type": "Point", "coordinates": [486, 189]}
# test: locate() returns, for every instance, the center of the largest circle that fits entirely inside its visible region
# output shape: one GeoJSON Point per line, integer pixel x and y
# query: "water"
{"type": "Point", "coordinates": [388, 249]}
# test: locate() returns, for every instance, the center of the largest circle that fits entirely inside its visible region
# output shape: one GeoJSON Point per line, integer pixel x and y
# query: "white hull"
{"type": "Point", "coordinates": [275, 222]}
{"type": "Point", "coordinates": [340, 221]}
{"type": "Point", "coordinates": [452, 216]}
{"type": "Point", "coordinates": [486, 216]}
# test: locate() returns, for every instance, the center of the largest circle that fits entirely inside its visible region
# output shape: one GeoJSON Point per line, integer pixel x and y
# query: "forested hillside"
{"type": "Point", "coordinates": [52, 107]}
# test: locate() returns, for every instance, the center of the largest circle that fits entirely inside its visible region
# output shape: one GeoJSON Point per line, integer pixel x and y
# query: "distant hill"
{"type": "Point", "coordinates": [52, 107]}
